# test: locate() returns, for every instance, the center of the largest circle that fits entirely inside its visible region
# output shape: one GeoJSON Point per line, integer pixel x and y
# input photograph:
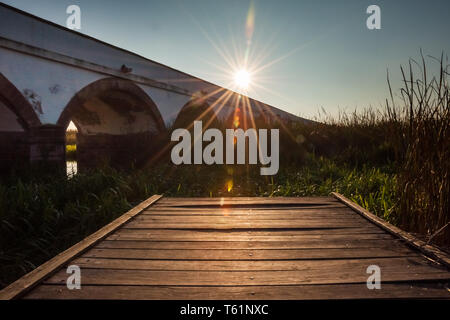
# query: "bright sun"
{"type": "Point", "coordinates": [242, 78]}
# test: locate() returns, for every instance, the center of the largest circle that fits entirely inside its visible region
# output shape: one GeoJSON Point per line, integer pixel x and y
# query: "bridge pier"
{"type": "Point", "coordinates": [43, 145]}
{"type": "Point", "coordinates": [14, 150]}
{"type": "Point", "coordinates": [119, 151]}
{"type": "Point", "coordinates": [47, 146]}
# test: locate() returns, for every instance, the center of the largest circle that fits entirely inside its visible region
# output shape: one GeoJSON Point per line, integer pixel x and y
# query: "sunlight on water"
{"type": "Point", "coordinates": [71, 168]}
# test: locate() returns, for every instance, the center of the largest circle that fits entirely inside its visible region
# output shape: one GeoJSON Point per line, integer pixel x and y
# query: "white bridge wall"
{"type": "Point", "coordinates": [55, 84]}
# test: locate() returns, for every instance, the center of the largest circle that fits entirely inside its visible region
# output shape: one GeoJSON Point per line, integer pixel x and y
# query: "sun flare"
{"type": "Point", "coordinates": [242, 78]}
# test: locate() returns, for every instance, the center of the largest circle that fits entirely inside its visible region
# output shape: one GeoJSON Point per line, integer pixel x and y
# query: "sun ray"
{"type": "Point", "coordinates": [250, 111]}
{"type": "Point", "coordinates": [286, 129]}
{"type": "Point", "coordinates": [233, 43]}
{"type": "Point", "coordinates": [169, 144]}
{"type": "Point", "coordinates": [233, 58]}
{"type": "Point", "coordinates": [293, 51]}
{"type": "Point", "coordinates": [214, 45]}
{"type": "Point", "coordinates": [273, 93]}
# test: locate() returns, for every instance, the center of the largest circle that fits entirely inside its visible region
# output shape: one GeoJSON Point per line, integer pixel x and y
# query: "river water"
{"type": "Point", "coordinates": [71, 168]}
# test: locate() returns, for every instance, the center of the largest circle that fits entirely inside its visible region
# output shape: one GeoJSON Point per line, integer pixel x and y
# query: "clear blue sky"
{"type": "Point", "coordinates": [318, 53]}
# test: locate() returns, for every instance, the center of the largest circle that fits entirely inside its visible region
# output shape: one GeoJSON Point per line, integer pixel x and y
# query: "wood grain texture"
{"type": "Point", "coordinates": [297, 292]}
{"type": "Point", "coordinates": [248, 235]}
{"type": "Point", "coordinates": [237, 225]}
{"type": "Point", "coordinates": [230, 245]}
{"type": "Point", "coordinates": [411, 264]}
{"type": "Point", "coordinates": [319, 210]}
{"type": "Point", "coordinates": [252, 254]}
{"type": "Point", "coordinates": [236, 278]}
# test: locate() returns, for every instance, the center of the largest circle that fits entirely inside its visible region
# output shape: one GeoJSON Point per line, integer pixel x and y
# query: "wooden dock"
{"type": "Point", "coordinates": [243, 248]}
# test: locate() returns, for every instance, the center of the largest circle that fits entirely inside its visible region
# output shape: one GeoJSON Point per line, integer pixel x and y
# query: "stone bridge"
{"type": "Point", "coordinates": [118, 100]}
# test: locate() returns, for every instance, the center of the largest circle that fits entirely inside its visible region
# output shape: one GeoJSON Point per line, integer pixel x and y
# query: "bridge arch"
{"type": "Point", "coordinates": [197, 108]}
{"type": "Point", "coordinates": [17, 119]}
{"type": "Point", "coordinates": [117, 123]}
{"type": "Point", "coordinates": [12, 98]}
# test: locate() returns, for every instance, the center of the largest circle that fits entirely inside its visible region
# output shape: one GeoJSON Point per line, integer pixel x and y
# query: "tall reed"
{"type": "Point", "coordinates": [420, 132]}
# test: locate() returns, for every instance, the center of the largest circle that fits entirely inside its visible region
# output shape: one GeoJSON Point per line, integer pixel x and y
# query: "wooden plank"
{"type": "Point", "coordinates": [300, 202]}
{"type": "Point", "coordinates": [324, 211]}
{"type": "Point", "coordinates": [418, 244]}
{"type": "Point", "coordinates": [233, 220]}
{"type": "Point", "coordinates": [266, 202]}
{"type": "Point", "coordinates": [264, 199]}
{"type": "Point", "coordinates": [253, 254]}
{"type": "Point", "coordinates": [235, 278]}
{"type": "Point", "coordinates": [259, 200]}
{"type": "Point", "coordinates": [247, 218]}
{"type": "Point", "coordinates": [251, 235]}
{"type": "Point", "coordinates": [29, 280]}
{"type": "Point", "coordinates": [415, 264]}
{"type": "Point", "coordinates": [247, 206]}
{"type": "Point", "coordinates": [304, 224]}
{"type": "Point", "coordinates": [297, 292]}
{"type": "Point", "coordinates": [216, 205]}
{"type": "Point", "coordinates": [343, 210]}
{"type": "Point", "coordinates": [242, 215]}
{"type": "Point", "coordinates": [303, 244]}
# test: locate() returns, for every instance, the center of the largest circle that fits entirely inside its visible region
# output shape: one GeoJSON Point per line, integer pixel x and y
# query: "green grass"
{"type": "Point", "coordinates": [41, 216]}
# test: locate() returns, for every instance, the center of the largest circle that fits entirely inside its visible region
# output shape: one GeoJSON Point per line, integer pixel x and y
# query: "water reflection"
{"type": "Point", "coordinates": [71, 168]}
